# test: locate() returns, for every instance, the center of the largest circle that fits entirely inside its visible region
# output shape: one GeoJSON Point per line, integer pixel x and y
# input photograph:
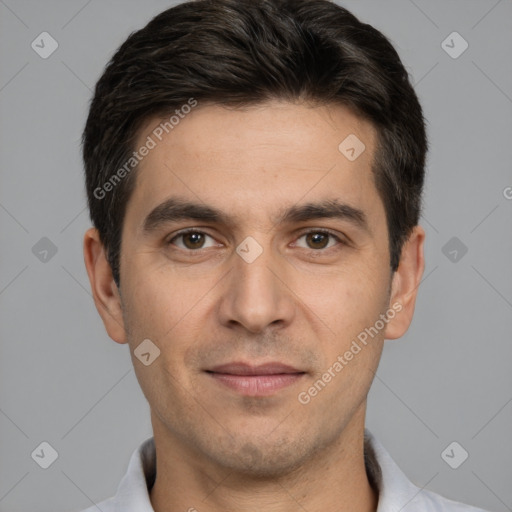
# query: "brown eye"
{"type": "Point", "coordinates": [191, 240]}
{"type": "Point", "coordinates": [319, 239]}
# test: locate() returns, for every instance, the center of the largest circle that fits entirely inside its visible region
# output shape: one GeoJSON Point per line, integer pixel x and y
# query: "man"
{"type": "Point", "coordinates": [254, 173]}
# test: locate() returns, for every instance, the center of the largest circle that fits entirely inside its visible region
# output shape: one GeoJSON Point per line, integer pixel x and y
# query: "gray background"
{"type": "Point", "coordinates": [62, 380]}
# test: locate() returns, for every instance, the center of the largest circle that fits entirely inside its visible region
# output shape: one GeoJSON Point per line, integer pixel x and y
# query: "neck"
{"type": "Point", "coordinates": [334, 478]}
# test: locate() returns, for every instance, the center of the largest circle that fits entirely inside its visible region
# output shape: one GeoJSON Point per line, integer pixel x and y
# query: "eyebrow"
{"type": "Point", "coordinates": [176, 209]}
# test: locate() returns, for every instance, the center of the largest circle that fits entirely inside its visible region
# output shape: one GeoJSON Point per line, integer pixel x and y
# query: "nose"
{"type": "Point", "coordinates": [257, 295]}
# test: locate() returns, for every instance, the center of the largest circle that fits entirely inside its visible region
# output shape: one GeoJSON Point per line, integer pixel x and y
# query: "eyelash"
{"type": "Point", "coordinates": [315, 251]}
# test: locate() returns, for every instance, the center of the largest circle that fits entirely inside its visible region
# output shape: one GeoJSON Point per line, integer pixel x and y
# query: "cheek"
{"type": "Point", "coordinates": [160, 313]}
{"type": "Point", "coordinates": [352, 346]}
{"type": "Point", "coordinates": [350, 300]}
{"type": "Point", "coordinates": [169, 310]}
{"type": "Point", "coordinates": [160, 299]}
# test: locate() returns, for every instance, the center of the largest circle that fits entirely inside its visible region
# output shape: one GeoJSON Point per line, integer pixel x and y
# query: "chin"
{"type": "Point", "coordinates": [262, 459]}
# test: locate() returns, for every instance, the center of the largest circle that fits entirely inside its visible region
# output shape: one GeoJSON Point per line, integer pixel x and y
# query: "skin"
{"type": "Point", "coordinates": [300, 303]}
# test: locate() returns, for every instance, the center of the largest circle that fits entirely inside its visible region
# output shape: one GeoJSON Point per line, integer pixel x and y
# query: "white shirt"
{"type": "Point", "coordinates": [396, 491]}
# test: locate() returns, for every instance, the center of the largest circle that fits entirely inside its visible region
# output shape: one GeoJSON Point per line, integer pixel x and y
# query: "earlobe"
{"type": "Point", "coordinates": [104, 290]}
{"type": "Point", "coordinates": [406, 280]}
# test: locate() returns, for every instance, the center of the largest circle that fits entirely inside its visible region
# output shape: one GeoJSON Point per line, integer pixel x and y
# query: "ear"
{"type": "Point", "coordinates": [104, 289]}
{"type": "Point", "coordinates": [405, 283]}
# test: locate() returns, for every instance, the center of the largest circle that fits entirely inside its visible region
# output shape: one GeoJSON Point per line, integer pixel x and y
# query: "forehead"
{"type": "Point", "coordinates": [257, 159]}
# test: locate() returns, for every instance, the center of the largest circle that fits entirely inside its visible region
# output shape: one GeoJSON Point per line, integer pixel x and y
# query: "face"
{"type": "Point", "coordinates": [282, 262]}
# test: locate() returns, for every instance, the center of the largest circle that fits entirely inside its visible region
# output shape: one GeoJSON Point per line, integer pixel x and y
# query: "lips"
{"type": "Point", "coordinates": [261, 380]}
{"type": "Point", "coordinates": [273, 368]}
